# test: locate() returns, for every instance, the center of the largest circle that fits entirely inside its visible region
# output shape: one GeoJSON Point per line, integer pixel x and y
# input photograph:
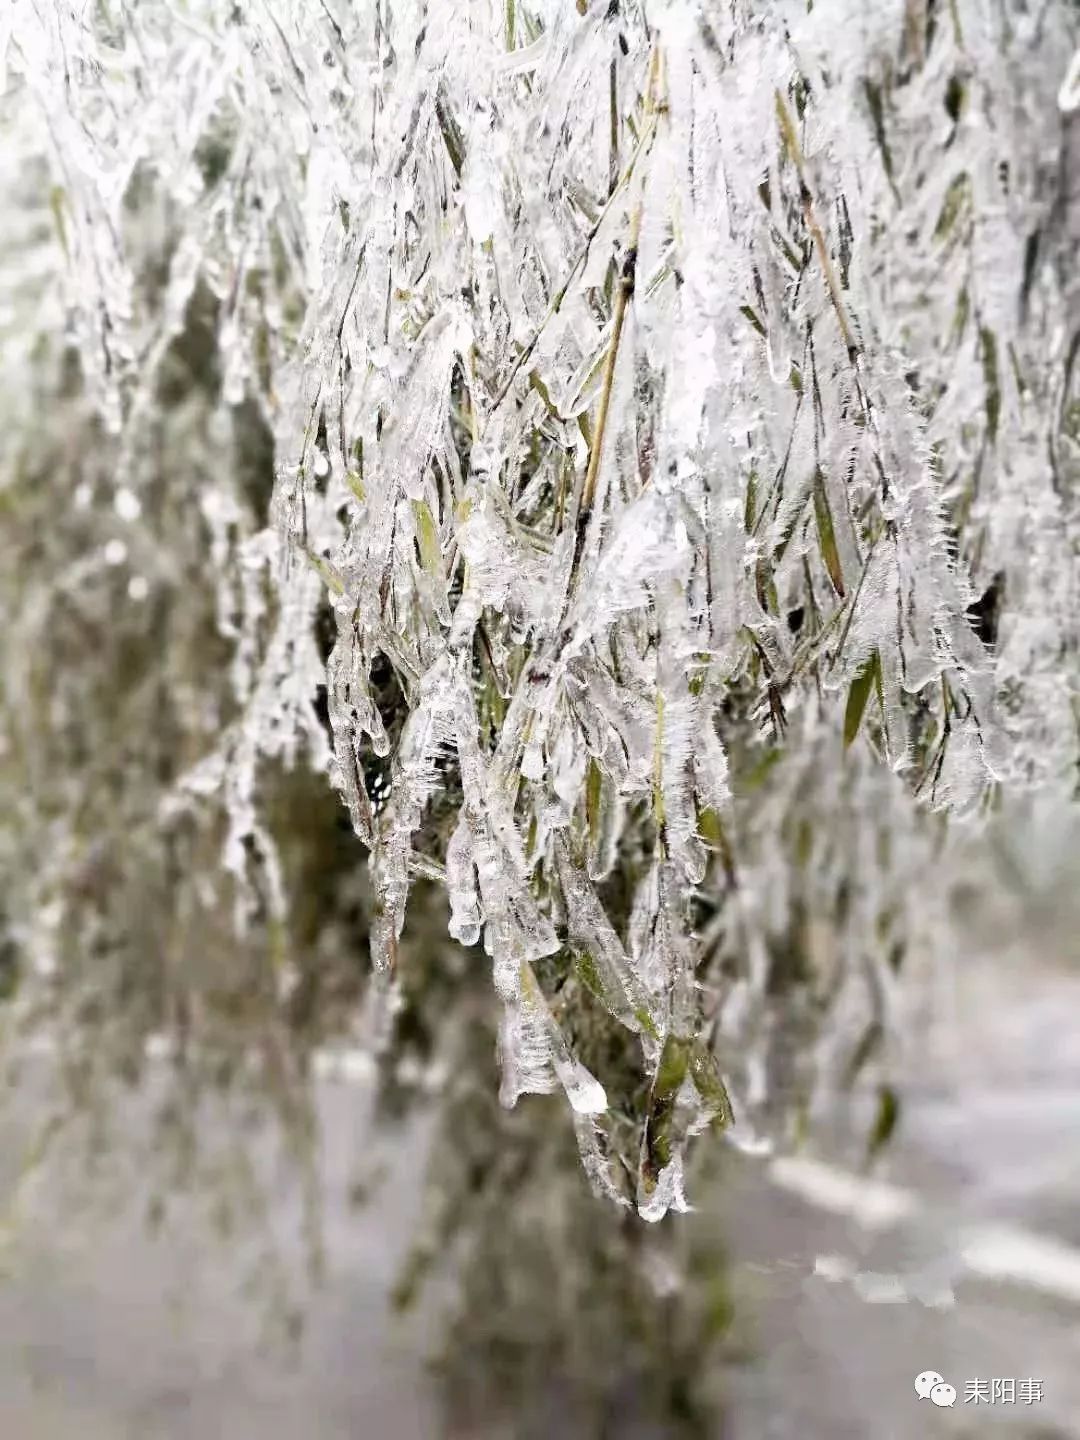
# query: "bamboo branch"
{"type": "Point", "coordinates": [622, 298]}
{"type": "Point", "coordinates": [791, 139]}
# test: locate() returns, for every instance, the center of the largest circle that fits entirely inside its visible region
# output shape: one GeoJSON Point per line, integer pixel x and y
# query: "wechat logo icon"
{"type": "Point", "coordinates": [934, 1387]}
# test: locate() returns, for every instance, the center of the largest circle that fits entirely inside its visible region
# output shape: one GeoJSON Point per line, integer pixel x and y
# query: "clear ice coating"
{"type": "Point", "coordinates": [657, 392]}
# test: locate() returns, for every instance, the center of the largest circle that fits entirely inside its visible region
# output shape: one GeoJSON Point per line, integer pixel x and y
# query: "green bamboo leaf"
{"type": "Point", "coordinates": [789, 533]}
{"type": "Point", "coordinates": [545, 395]}
{"type": "Point", "coordinates": [827, 534]}
{"type": "Point", "coordinates": [427, 536]}
{"type": "Point", "coordinates": [858, 696]}
{"type": "Point", "coordinates": [645, 1020]}
{"type": "Point", "coordinates": [452, 138]}
{"type": "Point", "coordinates": [705, 1073]}
{"type": "Point", "coordinates": [876, 103]}
{"type": "Point", "coordinates": [57, 200]}
{"type": "Point", "coordinates": [988, 347]}
{"type": "Point", "coordinates": [750, 514]}
{"type": "Point", "coordinates": [671, 1071]}
{"type": "Point", "coordinates": [330, 577]}
{"type": "Point", "coordinates": [879, 684]}
{"type": "Point", "coordinates": [589, 972]}
{"type": "Point", "coordinates": [659, 1121]}
{"type": "Point", "coordinates": [953, 205]}
{"type": "Point", "coordinates": [763, 585]}
{"type": "Point", "coordinates": [960, 317]}
{"type": "Point", "coordinates": [886, 1120]}
{"type": "Point", "coordinates": [869, 1044]}
{"type": "Point", "coordinates": [583, 394]}
{"type": "Point", "coordinates": [410, 1280]}
{"type": "Point", "coordinates": [711, 829]}
{"type": "Point", "coordinates": [594, 782]}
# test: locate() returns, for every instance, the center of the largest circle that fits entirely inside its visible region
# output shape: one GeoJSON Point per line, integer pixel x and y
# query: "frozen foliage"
{"type": "Point", "coordinates": [675, 413]}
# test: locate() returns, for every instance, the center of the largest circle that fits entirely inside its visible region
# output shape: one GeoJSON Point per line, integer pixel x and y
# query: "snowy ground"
{"type": "Point", "coordinates": [965, 1261]}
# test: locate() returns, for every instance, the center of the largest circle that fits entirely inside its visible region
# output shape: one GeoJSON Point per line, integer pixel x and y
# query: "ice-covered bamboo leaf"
{"type": "Point", "coordinates": [603, 963]}
{"type": "Point", "coordinates": [644, 398]}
